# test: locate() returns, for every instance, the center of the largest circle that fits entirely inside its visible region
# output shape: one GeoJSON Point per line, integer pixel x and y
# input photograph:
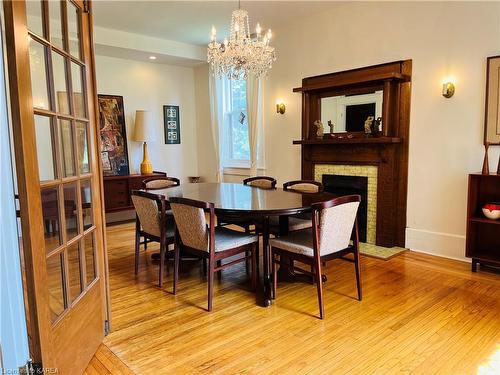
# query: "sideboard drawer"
{"type": "Point", "coordinates": [117, 190]}
{"type": "Point", "coordinates": [116, 194]}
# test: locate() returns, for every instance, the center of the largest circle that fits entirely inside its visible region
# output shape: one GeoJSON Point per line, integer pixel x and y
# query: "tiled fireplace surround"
{"type": "Point", "coordinates": [369, 171]}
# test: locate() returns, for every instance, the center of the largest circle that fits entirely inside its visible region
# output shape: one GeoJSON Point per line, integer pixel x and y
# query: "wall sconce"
{"type": "Point", "coordinates": [280, 107]}
{"type": "Point", "coordinates": [448, 89]}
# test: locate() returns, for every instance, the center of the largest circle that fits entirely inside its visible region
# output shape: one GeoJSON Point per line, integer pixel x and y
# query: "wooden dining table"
{"type": "Point", "coordinates": [240, 201]}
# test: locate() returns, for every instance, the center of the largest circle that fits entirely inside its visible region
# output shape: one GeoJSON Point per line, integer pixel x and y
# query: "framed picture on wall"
{"type": "Point", "coordinates": [113, 135]}
{"type": "Point", "coordinates": [171, 121]}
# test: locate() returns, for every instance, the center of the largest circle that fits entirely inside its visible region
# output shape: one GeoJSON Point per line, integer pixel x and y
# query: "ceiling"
{"type": "Point", "coordinates": [191, 21]}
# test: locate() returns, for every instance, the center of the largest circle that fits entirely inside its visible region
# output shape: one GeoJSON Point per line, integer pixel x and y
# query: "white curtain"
{"type": "Point", "coordinates": [254, 113]}
{"type": "Point", "coordinates": [215, 87]}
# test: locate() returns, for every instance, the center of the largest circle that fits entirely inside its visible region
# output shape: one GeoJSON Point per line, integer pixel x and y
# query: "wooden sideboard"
{"type": "Point", "coordinates": [117, 190]}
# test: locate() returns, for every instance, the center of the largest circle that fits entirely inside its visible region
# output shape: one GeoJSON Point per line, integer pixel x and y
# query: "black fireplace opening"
{"type": "Point", "coordinates": [348, 185]}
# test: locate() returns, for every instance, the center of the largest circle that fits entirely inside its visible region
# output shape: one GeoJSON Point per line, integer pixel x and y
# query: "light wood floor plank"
{"type": "Point", "coordinates": [420, 315]}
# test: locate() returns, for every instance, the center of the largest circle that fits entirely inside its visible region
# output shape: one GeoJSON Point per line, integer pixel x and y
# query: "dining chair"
{"type": "Point", "coordinates": [152, 223]}
{"type": "Point", "coordinates": [261, 182]}
{"type": "Point", "coordinates": [208, 241]}
{"type": "Point", "coordinates": [299, 221]}
{"type": "Point", "coordinates": [155, 183]}
{"type": "Point", "coordinates": [303, 186]}
{"type": "Point", "coordinates": [334, 227]}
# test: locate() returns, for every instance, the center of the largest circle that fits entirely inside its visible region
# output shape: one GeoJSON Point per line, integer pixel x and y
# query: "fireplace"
{"type": "Point", "coordinates": [347, 185]}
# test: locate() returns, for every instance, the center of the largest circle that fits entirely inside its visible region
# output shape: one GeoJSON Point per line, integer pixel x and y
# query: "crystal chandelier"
{"type": "Point", "coordinates": [241, 54]}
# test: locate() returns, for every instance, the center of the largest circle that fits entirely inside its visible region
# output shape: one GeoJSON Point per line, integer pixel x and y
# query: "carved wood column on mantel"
{"type": "Point", "coordinates": [389, 152]}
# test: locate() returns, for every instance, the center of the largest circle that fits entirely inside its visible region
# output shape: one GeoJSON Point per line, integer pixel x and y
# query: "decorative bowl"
{"type": "Point", "coordinates": [492, 210]}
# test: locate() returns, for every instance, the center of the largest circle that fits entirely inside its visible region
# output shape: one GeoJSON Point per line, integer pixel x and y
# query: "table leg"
{"type": "Point", "coordinates": [266, 256]}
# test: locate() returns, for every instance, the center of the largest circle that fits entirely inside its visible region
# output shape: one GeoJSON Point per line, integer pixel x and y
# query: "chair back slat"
{"type": "Point", "coordinates": [261, 181]}
{"type": "Point", "coordinates": [336, 222]}
{"type": "Point", "coordinates": [191, 222]}
{"type": "Point", "coordinates": [149, 212]}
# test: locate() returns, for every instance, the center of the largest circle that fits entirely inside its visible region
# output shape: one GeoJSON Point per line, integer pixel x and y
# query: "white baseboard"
{"type": "Point", "coordinates": [441, 244]}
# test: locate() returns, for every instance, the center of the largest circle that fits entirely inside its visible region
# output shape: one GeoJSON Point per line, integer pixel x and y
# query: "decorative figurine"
{"type": "Point", "coordinates": [376, 127]}
{"type": "Point", "coordinates": [331, 125]}
{"type": "Point", "coordinates": [319, 128]}
{"type": "Point", "coordinates": [368, 125]}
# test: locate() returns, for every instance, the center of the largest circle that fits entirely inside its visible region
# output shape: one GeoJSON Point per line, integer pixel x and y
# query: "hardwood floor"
{"type": "Point", "coordinates": [420, 315]}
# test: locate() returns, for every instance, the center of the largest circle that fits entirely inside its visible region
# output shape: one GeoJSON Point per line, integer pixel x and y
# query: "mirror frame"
{"type": "Point", "coordinates": [492, 81]}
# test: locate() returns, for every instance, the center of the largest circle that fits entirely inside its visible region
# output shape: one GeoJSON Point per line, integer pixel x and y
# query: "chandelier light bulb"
{"type": "Point", "coordinates": [225, 42]}
{"type": "Point", "coordinates": [269, 34]}
{"type": "Point", "coordinates": [258, 29]}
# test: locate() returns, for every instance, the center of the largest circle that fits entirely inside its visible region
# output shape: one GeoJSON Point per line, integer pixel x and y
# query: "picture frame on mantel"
{"type": "Point", "coordinates": [113, 135]}
{"type": "Point", "coordinates": [492, 110]}
{"type": "Point", "coordinates": [172, 124]}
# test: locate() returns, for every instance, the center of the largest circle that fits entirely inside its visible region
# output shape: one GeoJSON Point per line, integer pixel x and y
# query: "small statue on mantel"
{"type": "Point", "coordinates": [332, 126]}
{"type": "Point", "coordinates": [376, 127]}
{"type": "Point", "coordinates": [319, 129]}
{"type": "Point", "coordinates": [368, 125]}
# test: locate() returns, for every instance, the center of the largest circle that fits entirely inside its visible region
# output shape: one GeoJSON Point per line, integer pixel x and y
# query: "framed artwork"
{"type": "Point", "coordinates": [171, 121]}
{"type": "Point", "coordinates": [492, 117]}
{"type": "Point", "coordinates": [113, 135]}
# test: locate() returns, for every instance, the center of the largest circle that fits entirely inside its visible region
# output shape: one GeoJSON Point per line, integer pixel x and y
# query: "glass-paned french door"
{"type": "Point", "coordinates": [52, 81]}
{"type": "Point", "coordinates": [62, 129]}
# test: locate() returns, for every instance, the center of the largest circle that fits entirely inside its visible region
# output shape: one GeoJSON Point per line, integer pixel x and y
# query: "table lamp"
{"type": "Point", "coordinates": [143, 132]}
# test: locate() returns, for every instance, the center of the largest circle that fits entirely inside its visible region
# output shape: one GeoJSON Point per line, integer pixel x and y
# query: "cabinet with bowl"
{"type": "Point", "coordinates": [483, 220]}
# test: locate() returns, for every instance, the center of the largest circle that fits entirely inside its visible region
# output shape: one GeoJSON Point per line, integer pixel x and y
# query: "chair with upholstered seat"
{"type": "Point", "coordinates": [303, 186]}
{"type": "Point", "coordinates": [261, 182]}
{"type": "Point", "coordinates": [334, 226]}
{"type": "Point", "coordinates": [300, 221]}
{"type": "Point", "coordinates": [156, 183]}
{"type": "Point", "coordinates": [208, 241]}
{"type": "Point", "coordinates": [152, 223]}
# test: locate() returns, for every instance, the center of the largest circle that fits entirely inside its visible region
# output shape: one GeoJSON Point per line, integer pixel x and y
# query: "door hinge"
{"type": "Point", "coordinates": [106, 327]}
{"type": "Point", "coordinates": [85, 6]}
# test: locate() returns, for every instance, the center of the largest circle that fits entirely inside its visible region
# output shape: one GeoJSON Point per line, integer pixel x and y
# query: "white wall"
{"type": "Point", "coordinates": [445, 134]}
{"type": "Point", "coordinates": [149, 86]}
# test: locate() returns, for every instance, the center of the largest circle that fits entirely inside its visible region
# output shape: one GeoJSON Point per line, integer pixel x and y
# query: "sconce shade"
{"type": "Point", "coordinates": [144, 129]}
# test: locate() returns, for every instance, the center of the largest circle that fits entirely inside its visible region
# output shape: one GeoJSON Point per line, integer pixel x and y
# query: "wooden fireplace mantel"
{"type": "Point", "coordinates": [340, 141]}
{"type": "Point", "coordinates": [389, 152]}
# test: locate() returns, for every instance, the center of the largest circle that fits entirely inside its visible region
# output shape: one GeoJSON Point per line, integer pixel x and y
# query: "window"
{"type": "Point", "coordinates": [237, 147]}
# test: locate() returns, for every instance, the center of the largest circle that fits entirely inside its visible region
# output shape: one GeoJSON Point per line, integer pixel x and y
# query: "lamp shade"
{"type": "Point", "coordinates": [144, 129]}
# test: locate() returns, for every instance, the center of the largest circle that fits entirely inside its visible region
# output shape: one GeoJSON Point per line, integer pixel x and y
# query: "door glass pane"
{"type": "Point", "coordinates": [34, 16]}
{"type": "Point", "coordinates": [55, 285]}
{"type": "Point", "coordinates": [70, 211]}
{"type": "Point", "coordinates": [60, 84]}
{"type": "Point", "coordinates": [56, 30]}
{"type": "Point", "coordinates": [90, 266]}
{"type": "Point", "coordinates": [50, 212]}
{"type": "Point", "coordinates": [66, 148]}
{"type": "Point", "coordinates": [76, 79]}
{"type": "Point", "coordinates": [74, 30]}
{"type": "Point", "coordinates": [86, 192]}
{"type": "Point", "coordinates": [82, 148]}
{"type": "Point", "coordinates": [39, 87]}
{"type": "Point", "coordinates": [74, 270]}
{"type": "Point", "coordinates": [44, 148]}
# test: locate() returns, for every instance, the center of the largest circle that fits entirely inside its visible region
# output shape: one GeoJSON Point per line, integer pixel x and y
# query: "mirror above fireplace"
{"type": "Point", "coordinates": [348, 113]}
